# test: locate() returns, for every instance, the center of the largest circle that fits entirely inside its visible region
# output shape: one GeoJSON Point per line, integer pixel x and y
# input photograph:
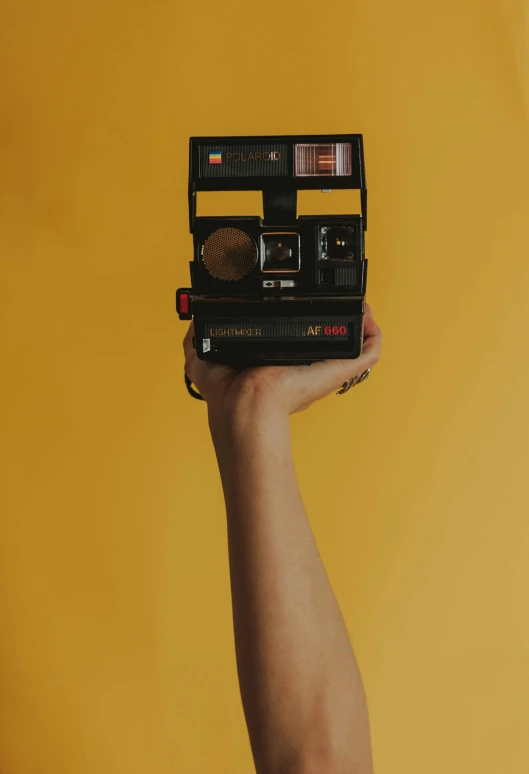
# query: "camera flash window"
{"type": "Point", "coordinates": [323, 159]}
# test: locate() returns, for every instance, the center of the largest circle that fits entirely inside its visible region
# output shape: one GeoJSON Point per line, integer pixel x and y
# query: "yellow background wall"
{"type": "Point", "coordinates": [116, 645]}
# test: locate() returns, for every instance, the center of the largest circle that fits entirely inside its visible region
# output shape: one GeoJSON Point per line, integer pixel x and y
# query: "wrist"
{"type": "Point", "coordinates": [247, 422]}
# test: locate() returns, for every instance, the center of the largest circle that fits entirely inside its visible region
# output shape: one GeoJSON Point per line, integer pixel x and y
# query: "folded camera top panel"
{"type": "Point", "coordinates": [276, 163]}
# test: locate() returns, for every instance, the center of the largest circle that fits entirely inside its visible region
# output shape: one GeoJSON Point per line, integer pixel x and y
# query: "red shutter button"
{"type": "Point", "coordinates": [183, 303]}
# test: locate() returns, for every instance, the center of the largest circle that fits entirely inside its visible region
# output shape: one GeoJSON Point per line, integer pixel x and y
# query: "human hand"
{"type": "Point", "coordinates": [286, 389]}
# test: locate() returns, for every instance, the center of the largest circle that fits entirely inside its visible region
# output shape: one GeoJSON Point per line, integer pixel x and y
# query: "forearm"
{"type": "Point", "coordinates": [301, 690]}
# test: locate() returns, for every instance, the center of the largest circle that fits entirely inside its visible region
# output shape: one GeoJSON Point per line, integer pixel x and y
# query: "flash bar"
{"type": "Point", "coordinates": [279, 166]}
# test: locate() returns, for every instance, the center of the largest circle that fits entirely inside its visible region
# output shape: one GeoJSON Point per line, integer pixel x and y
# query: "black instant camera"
{"type": "Point", "coordinates": [280, 289]}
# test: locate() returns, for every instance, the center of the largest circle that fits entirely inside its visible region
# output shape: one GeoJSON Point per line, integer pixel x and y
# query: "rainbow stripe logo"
{"type": "Point", "coordinates": [215, 157]}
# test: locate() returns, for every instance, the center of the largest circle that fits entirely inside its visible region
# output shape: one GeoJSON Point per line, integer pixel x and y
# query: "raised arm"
{"type": "Point", "coordinates": [301, 690]}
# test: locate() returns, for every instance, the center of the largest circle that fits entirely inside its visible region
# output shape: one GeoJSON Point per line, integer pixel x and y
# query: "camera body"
{"type": "Point", "coordinates": [280, 289]}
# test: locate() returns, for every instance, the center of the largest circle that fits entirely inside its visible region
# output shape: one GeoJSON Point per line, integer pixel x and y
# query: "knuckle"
{"type": "Point", "coordinates": [374, 357]}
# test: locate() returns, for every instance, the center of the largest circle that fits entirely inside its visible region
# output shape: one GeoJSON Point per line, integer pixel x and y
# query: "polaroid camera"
{"type": "Point", "coordinates": [280, 289]}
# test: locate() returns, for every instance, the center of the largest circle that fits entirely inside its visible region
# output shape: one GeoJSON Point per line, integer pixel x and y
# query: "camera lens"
{"type": "Point", "coordinates": [338, 243]}
{"type": "Point", "coordinates": [277, 252]}
{"type": "Point", "coordinates": [280, 252]}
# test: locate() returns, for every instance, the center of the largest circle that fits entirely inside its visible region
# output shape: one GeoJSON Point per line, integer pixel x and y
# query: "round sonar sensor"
{"type": "Point", "coordinates": [229, 254]}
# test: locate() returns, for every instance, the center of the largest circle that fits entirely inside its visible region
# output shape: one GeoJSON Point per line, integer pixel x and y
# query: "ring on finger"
{"type": "Point", "coordinates": [353, 382]}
